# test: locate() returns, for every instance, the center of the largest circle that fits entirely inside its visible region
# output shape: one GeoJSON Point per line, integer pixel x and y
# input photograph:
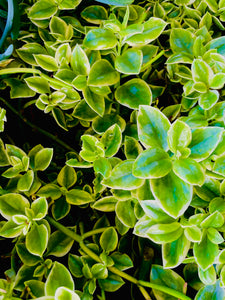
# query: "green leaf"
{"type": "Point", "coordinates": [27, 52]}
{"type": "Point", "coordinates": [96, 102]}
{"type": "Point", "coordinates": [204, 142]}
{"type": "Point", "coordinates": [208, 277]}
{"type": "Point", "coordinates": [75, 265]}
{"type": "Point", "coordinates": [106, 204]}
{"type": "Point", "coordinates": [84, 112]}
{"type": "Point", "coordinates": [122, 178]}
{"type": "Point", "coordinates": [42, 9]}
{"type": "Point", "coordinates": [131, 147]}
{"type": "Point", "coordinates": [37, 239]}
{"type": "Point", "coordinates": [63, 54]}
{"type": "Point", "coordinates": [121, 261]}
{"type": "Point", "coordinates": [63, 293]}
{"type": "Point", "coordinates": [102, 166]}
{"type": "Point", "coordinates": [214, 236]}
{"type": "Point", "coordinates": [125, 212]}
{"type": "Point", "coordinates": [111, 284]}
{"type": "Point", "coordinates": [102, 74]}
{"type": "Point", "coordinates": [4, 159]}
{"type": "Point", "coordinates": [181, 40]}
{"type": "Point", "coordinates": [167, 191]}
{"type": "Point", "coordinates": [92, 148]}
{"type": "Point", "coordinates": [100, 39]}
{"type": "Point", "coordinates": [65, 75]}
{"type": "Point", "coordinates": [201, 71]}
{"type": "Point", "coordinates": [133, 93]}
{"type": "Point", "coordinates": [60, 208]}
{"type": "Point", "coordinates": [36, 288]}
{"type": "Point", "coordinates": [219, 165]}
{"type": "Point", "coordinates": [111, 139]}
{"type": "Point", "coordinates": [15, 151]}
{"type": "Point", "coordinates": [78, 197]}
{"type": "Point", "coordinates": [205, 249]}
{"type": "Point", "coordinates": [153, 126]}
{"type": "Point", "coordinates": [166, 278]}
{"type": "Point", "coordinates": [152, 163]}
{"type": "Point", "coordinates": [101, 124]}
{"type": "Point", "coordinates": [50, 190]}
{"type": "Point", "coordinates": [193, 233]}
{"type": "Point", "coordinates": [215, 220]}
{"type": "Point", "coordinates": [153, 210]}
{"type": "Point", "coordinates": [94, 14]}
{"type": "Point", "coordinates": [58, 277]}
{"type": "Point", "coordinates": [59, 29]}
{"type": "Point", "coordinates": [67, 177]}
{"type": "Point", "coordinates": [79, 61]}
{"type": "Point", "coordinates": [174, 253]}
{"type": "Point", "coordinates": [129, 62]}
{"type": "Point", "coordinates": [218, 44]}
{"type": "Point", "coordinates": [39, 208]}
{"type": "Point", "coordinates": [46, 62]}
{"type": "Point", "coordinates": [25, 182]}
{"type": "Point", "coordinates": [68, 4]}
{"type": "Point", "coordinates": [26, 257]}
{"type": "Point", "coordinates": [179, 136]}
{"type": "Point", "coordinates": [208, 100]}
{"type": "Point", "coordinates": [211, 292]}
{"type": "Point", "coordinates": [13, 204]}
{"type": "Point", "coordinates": [38, 84]}
{"type": "Point", "coordinates": [189, 170]}
{"type": "Point", "coordinates": [43, 159]}
{"type": "Point", "coordinates": [109, 240]}
{"type": "Point", "coordinates": [11, 229]}
{"type": "Point", "coordinates": [24, 274]}
{"type": "Point", "coordinates": [59, 244]}
{"type": "Point", "coordinates": [116, 2]}
{"type": "Point", "coordinates": [152, 30]}
{"type": "Point", "coordinates": [217, 81]}
{"type": "Point", "coordinates": [164, 233]}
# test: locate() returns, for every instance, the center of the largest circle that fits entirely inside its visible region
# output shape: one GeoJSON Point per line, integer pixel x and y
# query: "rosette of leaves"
{"type": "Point", "coordinates": [62, 194]}
{"type": "Point", "coordinates": [206, 75]}
{"type": "Point", "coordinates": [172, 160]}
{"type": "Point", "coordinates": [24, 168]}
{"type": "Point", "coordinates": [25, 219]}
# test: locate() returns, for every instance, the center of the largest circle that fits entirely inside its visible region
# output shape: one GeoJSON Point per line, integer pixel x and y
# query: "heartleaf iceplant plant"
{"type": "Point", "coordinates": [142, 84]}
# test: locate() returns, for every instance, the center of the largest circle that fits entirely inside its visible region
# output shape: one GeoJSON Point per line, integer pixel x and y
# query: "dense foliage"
{"type": "Point", "coordinates": [113, 154]}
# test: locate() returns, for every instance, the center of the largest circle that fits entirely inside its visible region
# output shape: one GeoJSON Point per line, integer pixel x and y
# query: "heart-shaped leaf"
{"type": "Point", "coordinates": [102, 74]}
{"type": "Point", "coordinates": [122, 177]}
{"type": "Point", "coordinates": [100, 39]}
{"type": "Point", "coordinates": [129, 62]}
{"type": "Point", "coordinates": [168, 190]}
{"type": "Point", "coordinates": [153, 126]}
{"type": "Point", "coordinates": [133, 93]}
{"type": "Point", "coordinates": [152, 163]}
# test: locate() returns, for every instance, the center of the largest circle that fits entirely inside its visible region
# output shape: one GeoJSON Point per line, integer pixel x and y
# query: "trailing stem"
{"type": "Point", "coordinates": [42, 131]}
{"type": "Point", "coordinates": [140, 283]}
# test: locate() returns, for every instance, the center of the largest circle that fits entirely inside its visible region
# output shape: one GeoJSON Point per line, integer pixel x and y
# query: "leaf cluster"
{"type": "Point", "coordinates": [140, 86]}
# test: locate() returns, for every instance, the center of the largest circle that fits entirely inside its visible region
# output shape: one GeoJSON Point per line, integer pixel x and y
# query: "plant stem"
{"type": "Point", "coordinates": [93, 232]}
{"type": "Point", "coordinates": [90, 252]}
{"type": "Point", "coordinates": [164, 289]}
{"type": "Point", "coordinates": [42, 131]}
{"type": "Point", "coordinates": [150, 62]}
{"type": "Point", "coordinates": [35, 71]}
{"type": "Point", "coordinates": [114, 270]}
{"type": "Point", "coordinates": [19, 70]}
{"type": "Point", "coordinates": [65, 230]}
{"type": "Point", "coordinates": [144, 293]}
